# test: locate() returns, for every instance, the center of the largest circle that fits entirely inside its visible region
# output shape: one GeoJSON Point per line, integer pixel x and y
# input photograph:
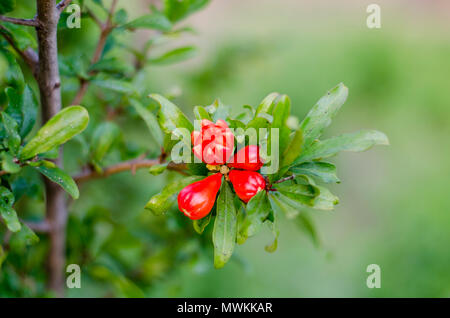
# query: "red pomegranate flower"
{"type": "Point", "coordinates": [214, 144]}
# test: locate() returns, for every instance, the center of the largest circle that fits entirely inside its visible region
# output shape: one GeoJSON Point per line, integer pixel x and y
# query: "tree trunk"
{"type": "Point", "coordinates": [50, 95]}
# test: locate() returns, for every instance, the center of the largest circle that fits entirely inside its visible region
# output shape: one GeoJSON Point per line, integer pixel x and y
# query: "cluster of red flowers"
{"type": "Point", "coordinates": [214, 145]}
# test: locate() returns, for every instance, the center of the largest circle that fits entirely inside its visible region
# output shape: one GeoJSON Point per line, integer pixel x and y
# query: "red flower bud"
{"type": "Point", "coordinates": [214, 144]}
{"type": "Point", "coordinates": [247, 159]}
{"type": "Point", "coordinates": [197, 199]}
{"type": "Point", "coordinates": [246, 183]}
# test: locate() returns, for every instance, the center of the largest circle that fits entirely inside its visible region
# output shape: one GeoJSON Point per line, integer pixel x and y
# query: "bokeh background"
{"type": "Point", "coordinates": [395, 206]}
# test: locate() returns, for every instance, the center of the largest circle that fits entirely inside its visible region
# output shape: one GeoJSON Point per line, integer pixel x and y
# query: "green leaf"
{"type": "Point", "coordinates": [174, 56]}
{"type": "Point", "coordinates": [29, 110]}
{"type": "Point", "coordinates": [110, 65]}
{"type": "Point", "coordinates": [13, 75]}
{"type": "Point", "coordinates": [7, 6]}
{"type": "Point", "coordinates": [201, 113]}
{"type": "Point", "coordinates": [324, 171]}
{"type": "Point", "coordinates": [273, 226]}
{"type": "Point", "coordinates": [357, 141]}
{"type": "Point", "coordinates": [158, 169]}
{"type": "Point", "coordinates": [280, 115]}
{"type": "Point", "coordinates": [225, 227]}
{"type": "Point", "coordinates": [9, 164]}
{"type": "Point", "coordinates": [150, 121]}
{"type": "Point", "coordinates": [154, 20]}
{"type": "Point", "coordinates": [115, 85]}
{"type": "Point", "coordinates": [267, 104]}
{"type": "Point", "coordinates": [201, 224]}
{"type": "Point", "coordinates": [3, 256]}
{"type": "Point", "coordinates": [161, 202]}
{"type": "Point", "coordinates": [9, 215]}
{"type": "Point", "coordinates": [12, 136]}
{"type": "Point", "coordinates": [325, 200]}
{"type": "Point", "coordinates": [305, 223]}
{"type": "Point", "coordinates": [19, 34]}
{"type": "Point", "coordinates": [293, 149]}
{"type": "Point", "coordinates": [177, 10]}
{"type": "Point", "coordinates": [23, 238]}
{"type": "Point", "coordinates": [320, 116]}
{"type": "Point", "coordinates": [285, 205]}
{"type": "Point", "coordinates": [60, 177]}
{"type": "Point", "coordinates": [258, 208]}
{"type": "Point", "coordinates": [104, 137]}
{"type": "Point", "coordinates": [218, 110]}
{"type": "Point", "coordinates": [59, 129]}
{"type": "Point", "coordinates": [7, 212]}
{"type": "Point", "coordinates": [170, 117]}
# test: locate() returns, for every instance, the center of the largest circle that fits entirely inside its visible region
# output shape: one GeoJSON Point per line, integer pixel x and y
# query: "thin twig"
{"type": "Point", "coordinates": [39, 227]}
{"type": "Point", "coordinates": [62, 5]}
{"type": "Point", "coordinates": [285, 179]}
{"type": "Point", "coordinates": [131, 165]}
{"type": "Point", "coordinates": [29, 55]}
{"type": "Point", "coordinates": [106, 29]}
{"type": "Point", "coordinates": [94, 17]}
{"type": "Point", "coordinates": [27, 22]}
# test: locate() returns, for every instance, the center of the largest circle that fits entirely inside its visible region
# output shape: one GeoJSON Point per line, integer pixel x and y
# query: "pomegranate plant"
{"type": "Point", "coordinates": [230, 172]}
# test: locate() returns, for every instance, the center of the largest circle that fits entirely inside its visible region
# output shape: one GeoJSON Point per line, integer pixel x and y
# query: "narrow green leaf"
{"type": "Point", "coordinates": [285, 205]}
{"type": "Point", "coordinates": [13, 139]}
{"type": "Point", "coordinates": [320, 116]}
{"type": "Point", "coordinates": [258, 208]}
{"type": "Point", "coordinates": [20, 36]}
{"type": "Point", "coordinates": [29, 110]}
{"type": "Point", "coordinates": [161, 202]}
{"type": "Point", "coordinates": [9, 215]}
{"type": "Point", "coordinates": [201, 113]}
{"type": "Point", "coordinates": [324, 171]}
{"type": "Point", "coordinates": [23, 238]}
{"type": "Point", "coordinates": [170, 117]}
{"type": "Point", "coordinates": [267, 104]}
{"type": "Point", "coordinates": [177, 10]}
{"type": "Point", "coordinates": [116, 85]}
{"type": "Point", "coordinates": [155, 21]}
{"type": "Point", "coordinates": [273, 226]}
{"type": "Point", "coordinates": [280, 115]}
{"type": "Point", "coordinates": [201, 224]}
{"type": "Point", "coordinates": [158, 169]}
{"type": "Point", "coordinates": [3, 256]}
{"type": "Point", "coordinates": [293, 149]}
{"type": "Point", "coordinates": [150, 121]}
{"type": "Point", "coordinates": [60, 177]}
{"type": "Point", "coordinates": [225, 227]}
{"type": "Point", "coordinates": [325, 200]}
{"type": "Point", "coordinates": [174, 56]}
{"type": "Point", "coordinates": [7, 212]}
{"type": "Point", "coordinates": [59, 129]}
{"type": "Point", "coordinates": [111, 65]}
{"type": "Point", "coordinates": [9, 164]}
{"type": "Point", "coordinates": [305, 223]}
{"type": "Point", "coordinates": [357, 141]}
{"type": "Point", "coordinates": [104, 137]}
{"type": "Point", "coordinates": [13, 75]}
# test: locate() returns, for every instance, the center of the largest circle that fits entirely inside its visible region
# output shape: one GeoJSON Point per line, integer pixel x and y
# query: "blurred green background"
{"type": "Point", "coordinates": [394, 210]}
{"type": "Point", "coordinates": [395, 206]}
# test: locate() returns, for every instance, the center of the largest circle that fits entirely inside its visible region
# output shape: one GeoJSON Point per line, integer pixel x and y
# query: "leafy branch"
{"type": "Point", "coordinates": [105, 29]}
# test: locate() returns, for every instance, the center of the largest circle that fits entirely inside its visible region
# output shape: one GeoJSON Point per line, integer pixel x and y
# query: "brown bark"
{"type": "Point", "coordinates": [50, 95]}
